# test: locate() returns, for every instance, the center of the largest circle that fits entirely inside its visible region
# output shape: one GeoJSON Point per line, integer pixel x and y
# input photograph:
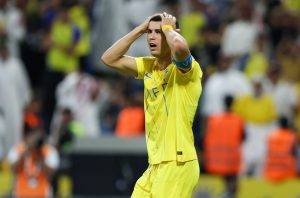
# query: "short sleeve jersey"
{"type": "Point", "coordinates": [170, 102]}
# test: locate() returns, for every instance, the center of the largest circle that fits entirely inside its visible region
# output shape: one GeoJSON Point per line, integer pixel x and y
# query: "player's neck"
{"type": "Point", "coordinates": [163, 62]}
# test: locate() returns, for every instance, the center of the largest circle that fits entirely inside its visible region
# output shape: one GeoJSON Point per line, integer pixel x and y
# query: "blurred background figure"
{"type": "Point", "coordinates": [131, 120]}
{"type": "Point", "coordinates": [223, 146]}
{"type": "Point", "coordinates": [62, 57]}
{"type": "Point", "coordinates": [33, 162]}
{"type": "Point", "coordinates": [85, 95]}
{"type": "Point", "coordinates": [281, 162]}
{"type": "Point", "coordinates": [12, 24]}
{"type": "Point", "coordinates": [283, 92]}
{"type": "Point", "coordinates": [259, 114]}
{"type": "Point", "coordinates": [222, 83]}
{"type": "Point", "coordinates": [67, 132]}
{"type": "Point", "coordinates": [2, 136]}
{"type": "Point", "coordinates": [16, 92]}
{"type": "Point", "coordinates": [240, 35]}
{"type": "Point", "coordinates": [63, 139]}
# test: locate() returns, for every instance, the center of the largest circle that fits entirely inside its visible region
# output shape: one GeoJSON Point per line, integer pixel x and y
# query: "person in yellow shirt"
{"type": "Point", "coordinates": [172, 87]}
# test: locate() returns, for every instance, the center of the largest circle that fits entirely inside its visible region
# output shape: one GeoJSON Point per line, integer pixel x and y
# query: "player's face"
{"type": "Point", "coordinates": [156, 40]}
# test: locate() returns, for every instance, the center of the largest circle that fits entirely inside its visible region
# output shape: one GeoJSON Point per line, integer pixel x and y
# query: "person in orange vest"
{"type": "Point", "coordinates": [33, 162]}
{"type": "Point", "coordinates": [222, 146]}
{"type": "Point", "coordinates": [281, 162]}
{"type": "Point", "coordinates": [131, 120]}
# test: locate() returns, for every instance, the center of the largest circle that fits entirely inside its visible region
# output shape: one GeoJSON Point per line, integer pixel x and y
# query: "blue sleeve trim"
{"type": "Point", "coordinates": [184, 64]}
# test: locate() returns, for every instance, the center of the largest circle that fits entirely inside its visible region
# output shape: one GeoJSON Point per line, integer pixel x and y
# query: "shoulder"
{"type": "Point", "coordinates": [144, 64]}
{"type": "Point", "coordinates": [195, 71]}
{"type": "Point", "coordinates": [145, 60]}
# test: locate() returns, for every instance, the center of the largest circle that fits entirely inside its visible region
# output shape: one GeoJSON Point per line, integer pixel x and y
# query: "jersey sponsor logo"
{"type": "Point", "coordinates": [154, 92]}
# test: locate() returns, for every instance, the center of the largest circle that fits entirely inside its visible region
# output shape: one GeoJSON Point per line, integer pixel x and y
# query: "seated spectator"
{"type": "Point", "coordinates": [33, 163]}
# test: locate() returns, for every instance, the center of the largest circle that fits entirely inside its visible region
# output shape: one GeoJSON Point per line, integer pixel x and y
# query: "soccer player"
{"type": "Point", "coordinates": [172, 80]}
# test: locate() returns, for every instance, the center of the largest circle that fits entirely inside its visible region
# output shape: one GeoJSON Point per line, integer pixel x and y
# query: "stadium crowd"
{"type": "Point", "coordinates": [50, 68]}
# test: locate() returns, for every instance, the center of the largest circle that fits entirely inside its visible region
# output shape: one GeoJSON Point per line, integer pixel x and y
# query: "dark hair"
{"type": "Point", "coordinates": [228, 100]}
{"type": "Point", "coordinates": [158, 18]}
{"type": "Point", "coordinates": [283, 122]}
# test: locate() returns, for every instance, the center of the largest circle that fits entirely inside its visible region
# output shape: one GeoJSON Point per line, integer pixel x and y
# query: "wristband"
{"type": "Point", "coordinates": [165, 27]}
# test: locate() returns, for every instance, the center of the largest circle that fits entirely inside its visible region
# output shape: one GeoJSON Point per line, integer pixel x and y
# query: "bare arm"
{"type": "Point", "coordinates": [15, 157]}
{"type": "Point", "coordinates": [115, 56]}
{"type": "Point", "coordinates": [178, 45]}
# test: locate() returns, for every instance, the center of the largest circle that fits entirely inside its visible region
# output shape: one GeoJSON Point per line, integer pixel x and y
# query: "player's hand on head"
{"type": "Point", "coordinates": [168, 19]}
{"type": "Point", "coordinates": [145, 24]}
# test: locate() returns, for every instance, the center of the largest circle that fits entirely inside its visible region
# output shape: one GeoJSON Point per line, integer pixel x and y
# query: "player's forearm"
{"type": "Point", "coordinates": [119, 48]}
{"type": "Point", "coordinates": [179, 48]}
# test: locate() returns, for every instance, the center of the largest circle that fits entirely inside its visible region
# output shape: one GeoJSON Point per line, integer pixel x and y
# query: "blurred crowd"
{"type": "Point", "coordinates": [50, 68]}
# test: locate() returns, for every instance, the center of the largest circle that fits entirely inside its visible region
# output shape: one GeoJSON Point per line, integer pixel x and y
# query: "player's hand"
{"type": "Point", "coordinates": [168, 19]}
{"type": "Point", "coordinates": [145, 24]}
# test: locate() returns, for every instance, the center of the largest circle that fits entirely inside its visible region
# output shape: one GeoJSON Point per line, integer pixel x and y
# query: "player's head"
{"type": "Point", "coordinates": [156, 39]}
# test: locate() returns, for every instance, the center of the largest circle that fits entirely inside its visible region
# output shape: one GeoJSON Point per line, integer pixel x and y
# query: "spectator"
{"type": "Point", "coordinates": [12, 25]}
{"type": "Point", "coordinates": [259, 113]}
{"type": "Point", "coordinates": [16, 90]}
{"type": "Point", "coordinates": [281, 162]}
{"type": "Point", "coordinates": [283, 93]}
{"type": "Point", "coordinates": [79, 17]}
{"type": "Point", "coordinates": [256, 63]}
{"type": "Point", "coordinates": [287, 53]}
{"type": "Point", "coordinates": [239, 37]}
{"type": "Point", "coordinates": [85, 96]}
{"type": "Point", "coordinates": [33, 162]}
{"type": "Point", "coordinates": [63, 139]}
{"type": "Point", "coordinates": [131, 120]}
{"type": "Point", "coordinates": [66, 133]}
{"type": "Point", "coordinates": [61, 58]}
{"type": "Point", "coordinates": [192, 22]}
{"type": "Point", "coordinates": [222, 83]}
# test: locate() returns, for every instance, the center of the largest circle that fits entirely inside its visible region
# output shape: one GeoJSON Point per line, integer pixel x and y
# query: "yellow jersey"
{"type": "Point", "coordinates": [170, 102]}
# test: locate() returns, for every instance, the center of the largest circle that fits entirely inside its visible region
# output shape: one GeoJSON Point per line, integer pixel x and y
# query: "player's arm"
{"type": "Point", "coordinates": [179, 48]}
{"type": "Point", "coordinates": [115, 55]}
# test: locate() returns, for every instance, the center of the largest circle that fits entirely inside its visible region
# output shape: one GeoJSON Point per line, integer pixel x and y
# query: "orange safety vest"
{"type": "Point", "coordinates": [131, 122]}
{"type": "Point", "coordinates": [222, 144]}
{"type": "Point", "coordinates": [281, 162]}
{"type": "Point", "coordinates": [31, 181]}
